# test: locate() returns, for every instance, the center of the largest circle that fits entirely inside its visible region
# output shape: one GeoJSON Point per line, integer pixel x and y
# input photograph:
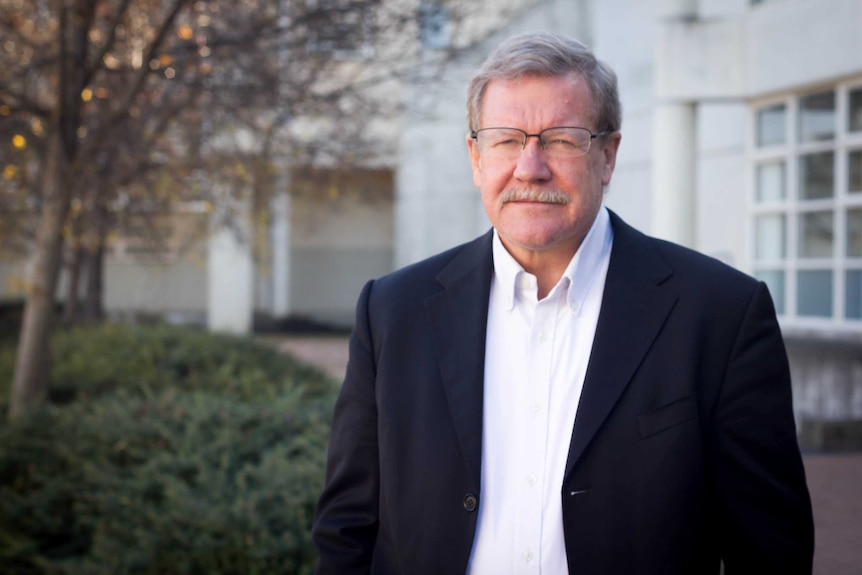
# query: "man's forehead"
{"type": "Point", "coordinates": [570, 91]}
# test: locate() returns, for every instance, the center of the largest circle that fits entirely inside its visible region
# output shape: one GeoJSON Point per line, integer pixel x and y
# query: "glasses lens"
{"type": "Point", "coordinates": [566, 142]}
{"type": "Point", "coordinates": [504, 142]}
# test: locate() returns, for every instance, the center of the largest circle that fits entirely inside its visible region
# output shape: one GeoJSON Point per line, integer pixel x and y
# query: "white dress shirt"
{"type": "Point", "coordinates": [535, 362]}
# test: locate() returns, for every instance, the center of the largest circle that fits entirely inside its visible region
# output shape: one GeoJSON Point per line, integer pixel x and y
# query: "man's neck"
{"type": "Point", "coordinates": [548, 265]}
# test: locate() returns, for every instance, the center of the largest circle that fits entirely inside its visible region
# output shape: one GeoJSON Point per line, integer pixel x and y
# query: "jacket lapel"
{"type": "Point", "coordinates": [634, 309]}
{"type": "Point", "coordinates": [458, 316]}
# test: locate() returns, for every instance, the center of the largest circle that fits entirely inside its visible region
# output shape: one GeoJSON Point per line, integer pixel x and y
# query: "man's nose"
{"type": "Point", "coordinates": [532, 162]}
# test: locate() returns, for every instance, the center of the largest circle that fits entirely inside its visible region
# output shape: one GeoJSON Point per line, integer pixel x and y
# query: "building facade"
{"type": "Point", "coordinates": [742, 138]}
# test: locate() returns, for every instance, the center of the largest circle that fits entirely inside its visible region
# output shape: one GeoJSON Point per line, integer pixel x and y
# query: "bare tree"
{"type": "Point", "coordinates": [61, 53]}
{"type": "Point", "coordinates": [137, 106]}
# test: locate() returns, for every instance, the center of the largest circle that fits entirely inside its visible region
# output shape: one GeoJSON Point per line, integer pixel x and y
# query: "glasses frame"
{"type": "Point", "coordinates": [475, 135]}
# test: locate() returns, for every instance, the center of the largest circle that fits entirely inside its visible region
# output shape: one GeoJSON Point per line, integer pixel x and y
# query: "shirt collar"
{"type": "Point", "coordinates": [578, 276]}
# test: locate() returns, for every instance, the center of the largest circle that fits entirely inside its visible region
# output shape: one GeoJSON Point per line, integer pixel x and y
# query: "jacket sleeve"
{"type": "Point", "coordinates": [766, 523]}
{"type": "Point", "coordinates": [346, 521]}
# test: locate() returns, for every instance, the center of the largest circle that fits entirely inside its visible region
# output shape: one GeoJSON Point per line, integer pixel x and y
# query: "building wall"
{"type": "Point", "coordinates": [337, 244]}
{"type": "Point", "coordinates": [176, 290]}
{"type": "Point", "coordinates": [692, 75]}
{"type": "Point", "coordinates": [13, 277]}
{"type": "Point", "coordinates": [623, 34]}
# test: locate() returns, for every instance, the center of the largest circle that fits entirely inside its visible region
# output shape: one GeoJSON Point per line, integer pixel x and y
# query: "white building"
{"type": "Point", "coordinates": [742, 138]}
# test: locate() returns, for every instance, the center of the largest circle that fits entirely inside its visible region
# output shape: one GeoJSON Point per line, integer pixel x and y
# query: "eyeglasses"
{"type": "Point", "coordinates": [560, 142]}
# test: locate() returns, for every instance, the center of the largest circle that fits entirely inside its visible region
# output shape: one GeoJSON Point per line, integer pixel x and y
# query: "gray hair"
{"type": "Point", "coordinates": [550, 55]}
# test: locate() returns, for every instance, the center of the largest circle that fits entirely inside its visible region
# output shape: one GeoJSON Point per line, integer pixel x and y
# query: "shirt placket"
{"type": "Point", "coordinates": [535, 414]}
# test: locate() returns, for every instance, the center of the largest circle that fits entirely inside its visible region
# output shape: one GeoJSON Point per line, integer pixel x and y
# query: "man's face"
{"type": "Point", "coordinates": [530, 227]}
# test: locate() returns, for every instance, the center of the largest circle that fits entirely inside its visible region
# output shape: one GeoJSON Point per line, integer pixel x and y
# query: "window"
{"type": "Point", "coordinates": [343, 28]}
{"type": "Point", "coordinates": [807, 204]}
{"type": "Point", "coordinates": [433, 25]}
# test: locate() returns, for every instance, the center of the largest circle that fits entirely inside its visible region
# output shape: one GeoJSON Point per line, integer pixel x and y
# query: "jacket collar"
{"type": "Point", "coordinates": [634, 309]}
{"type": "Point", "coordinates": [635, 306]}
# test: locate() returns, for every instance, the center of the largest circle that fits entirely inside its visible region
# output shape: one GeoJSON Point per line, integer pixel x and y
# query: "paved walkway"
{"type": "Point", "coordinates": [834, 480]}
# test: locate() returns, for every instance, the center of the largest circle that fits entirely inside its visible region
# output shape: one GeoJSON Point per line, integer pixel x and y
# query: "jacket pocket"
{"type": "Point", "coordinates": [668, 416]}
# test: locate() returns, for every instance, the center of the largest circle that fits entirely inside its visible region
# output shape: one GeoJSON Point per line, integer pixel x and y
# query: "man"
{"type": "Point", "coordinates": [563, 394]}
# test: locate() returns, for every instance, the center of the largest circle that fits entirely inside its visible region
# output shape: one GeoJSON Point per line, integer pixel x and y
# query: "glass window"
{"type": "Point", "coordinates": [816, 176]}
{"type": "Point", "coordinates": [817, 117]}
{"type": "Point", "coordinates": [855, 109]}
{"type": "Point", "coordinates": [854, 172]}
{"type": "Point", "coordinates": [770, 237]}
{"type": "Point", "coordinates": [814, 293]}
{"type": "Point", "coordinates": [433, 25]}
{"type": "Point", "coordinates": [806, 225]}
{"type": "Point", "coordinates": [854, 233]}
{"type": "Point", "coordinates": [815, 235]}
{"type": "Point", "coordinates": [771, 126]}
{"type": "Point", "coordinates": [338, 26]}
{"type": "Point", "coordinates": [770, 181]}
{"type": "Point", "coordinates": [774, 280]}
{"type": "Point", "coordinates": [853, 287]}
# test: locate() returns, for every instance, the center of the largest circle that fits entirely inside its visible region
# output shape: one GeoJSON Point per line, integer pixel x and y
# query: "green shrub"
{"type": "Point", "coordinates": [182, 452]}
{"type": "Point", "coordinates": [145, 358]}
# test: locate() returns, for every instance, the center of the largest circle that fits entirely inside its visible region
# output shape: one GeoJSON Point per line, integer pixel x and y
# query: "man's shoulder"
{"type": "Point", "coordinates": [440, 268]}
{"type": "Point", "coordinates": [679, 268]}
{"type": "Point", "coordinates": [681, 260]}
{"type": "Point", "coordinates": [397, 297]}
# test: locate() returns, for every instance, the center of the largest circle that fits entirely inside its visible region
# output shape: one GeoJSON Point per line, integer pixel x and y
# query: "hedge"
{"type": "Point", "coordinates": [174, 451]}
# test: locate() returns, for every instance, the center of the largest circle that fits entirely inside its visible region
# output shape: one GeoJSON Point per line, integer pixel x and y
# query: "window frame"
{"type": "Point", "coordinates": [792, 206]}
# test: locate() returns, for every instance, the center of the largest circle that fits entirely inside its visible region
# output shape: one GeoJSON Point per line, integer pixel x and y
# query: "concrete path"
{"type": "Point", "coordinates": [834, 480]}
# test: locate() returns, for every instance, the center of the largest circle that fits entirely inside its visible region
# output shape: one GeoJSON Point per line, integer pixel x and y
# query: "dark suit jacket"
{"type": "Point", "coordinates": [683, 453]}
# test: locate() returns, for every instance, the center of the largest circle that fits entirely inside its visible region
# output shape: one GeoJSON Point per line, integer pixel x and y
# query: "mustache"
{"type": "Point", "coordinates": [542, 196]}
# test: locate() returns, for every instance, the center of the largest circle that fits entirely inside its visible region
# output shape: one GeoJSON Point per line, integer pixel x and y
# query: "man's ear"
{"type": "Point", "coordinates": [609, 155]}
{"type": "Point", "coordinates": [475, 161]}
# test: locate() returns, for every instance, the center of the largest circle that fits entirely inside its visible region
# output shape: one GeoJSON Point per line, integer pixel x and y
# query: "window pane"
{"type": "Point", "coordinates": [815, 293]}
{"type": "Point", "coordinates": [855, 123]}
{"type": "Point", "coordinates": [815, 235]}
{"type": "Point", "coordinates": [854, 172]}
{"type": "Point", "coordinates": [854, 233]}
{"type": "Point", "coordinates": [774, 280]}
{"type": "Point", "coordinates": [433, 25]}
{"type": "Point", "coordinates": [770, 181]}
{"type": "Point", "coordinates": [854, 294]}
{"type": "Point", "coordinates": [770, 237]}
{"type": "Point", "coordinates": [817, 117]}
{"type": "Point", "coordinates": [770, 126]}
{"type": "Point", "coordinates": [816, 176]}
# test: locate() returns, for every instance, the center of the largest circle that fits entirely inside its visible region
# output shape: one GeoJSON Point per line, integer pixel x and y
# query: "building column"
{"type": "Point", "coordinates": [674, 182]}
{"type": "Point", "coordinates": [280, 239]}
{"type": "Point", "coordinates": [230, 270]}
{"type": "Point", "coordinates": [674, 185]}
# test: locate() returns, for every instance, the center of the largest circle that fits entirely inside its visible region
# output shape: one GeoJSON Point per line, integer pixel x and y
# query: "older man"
{"type": "Point", "coordinates": [563, 394]}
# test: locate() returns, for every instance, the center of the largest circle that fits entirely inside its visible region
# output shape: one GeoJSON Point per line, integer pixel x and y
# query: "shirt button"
{"type": "Point", "coordinates": [537, 407]}
{"type": "Point", "coordinates": [528, 556]}
{"type": "Point", "coordinates": [532, 479]}
{"type": "Point", "coordinates": [542, 336]}
{"type": "Point", "coordinates": [470, 502]}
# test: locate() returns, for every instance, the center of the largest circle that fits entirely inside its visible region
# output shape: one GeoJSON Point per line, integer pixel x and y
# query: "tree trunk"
{"type": "Point", "coordinates": [33, 361]}
{"type": "Point", "coordinates": [94, 309]}
{"type": "Point", "coordinates": [71, 307]}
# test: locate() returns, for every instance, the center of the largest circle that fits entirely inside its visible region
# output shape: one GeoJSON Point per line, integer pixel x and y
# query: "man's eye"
{"type": "Point", "coordinates": [561, 143]}
{"type": "Point", "coordinates": [510, 143]}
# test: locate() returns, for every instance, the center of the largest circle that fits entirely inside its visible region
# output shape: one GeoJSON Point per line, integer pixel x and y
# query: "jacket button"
{"type": "Point", "coordinates": [470, 502]}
